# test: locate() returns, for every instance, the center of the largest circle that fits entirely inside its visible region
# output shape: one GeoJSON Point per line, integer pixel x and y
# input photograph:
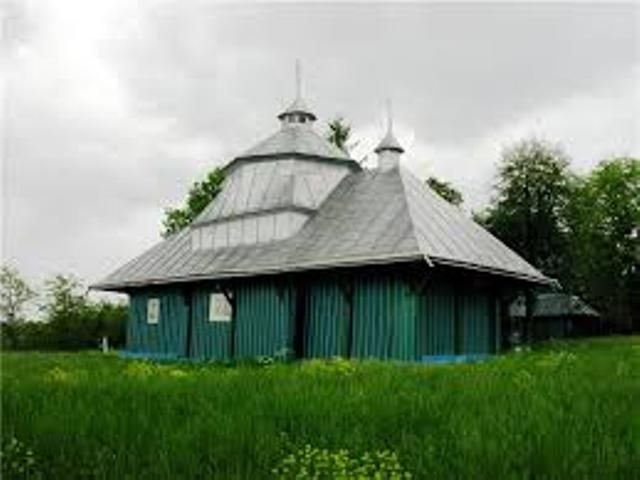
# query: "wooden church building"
{"type": "Point", "coordinates": [304, 252]}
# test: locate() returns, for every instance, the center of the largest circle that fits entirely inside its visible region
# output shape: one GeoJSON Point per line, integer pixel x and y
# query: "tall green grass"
{"type": "Point", "coordinates": [565, 411]}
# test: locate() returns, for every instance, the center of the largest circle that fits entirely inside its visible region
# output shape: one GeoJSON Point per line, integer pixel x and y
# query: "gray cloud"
{"type": "Point", "coordinates": [114, 108]}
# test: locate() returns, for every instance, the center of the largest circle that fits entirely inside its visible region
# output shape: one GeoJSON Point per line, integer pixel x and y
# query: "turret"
{"type": "Point", "coordinates": [389, 149]}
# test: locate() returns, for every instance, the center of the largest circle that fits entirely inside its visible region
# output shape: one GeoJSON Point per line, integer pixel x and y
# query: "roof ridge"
{"type": "Point", "coordinates": [445, 234]}
{"type": "Point", "coordinates": [400, 171]}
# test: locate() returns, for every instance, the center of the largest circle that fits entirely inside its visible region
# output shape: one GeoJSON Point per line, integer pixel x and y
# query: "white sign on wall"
{"type": "Point", "coordinates": [153, 310]}
{"type": "Point", "coordinates": [219, 308]}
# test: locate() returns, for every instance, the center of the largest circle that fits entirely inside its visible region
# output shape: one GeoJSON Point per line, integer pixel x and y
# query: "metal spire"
{"type": "Point", "coordinates": [298, 79]}
{"type": "Point", "coordinates": [389, 117]}
{"type": "Point", "coordinates": [389, 142]}
{"type": "Point", "coordinates": [298, 111]}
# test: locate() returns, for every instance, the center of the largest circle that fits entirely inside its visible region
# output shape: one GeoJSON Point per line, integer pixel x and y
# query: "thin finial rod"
{"type": "Point", "coordinates": [298, 79]}
{"type": "Point", "coordinates": [389, 116]}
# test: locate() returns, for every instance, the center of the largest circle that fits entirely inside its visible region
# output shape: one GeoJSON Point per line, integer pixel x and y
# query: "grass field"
{"type": "Point", "coordinates": [569, 410]}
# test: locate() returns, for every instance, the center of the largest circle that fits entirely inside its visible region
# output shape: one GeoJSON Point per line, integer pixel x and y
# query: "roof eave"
{"type": "Point", "coordinates": [541, 280]}
{"type": "Point", "coordinates": [347, 161]}
{"type": "Point", "coordinates": [228, 274]}
{"type": "Point", "coordinates": [325, 265]}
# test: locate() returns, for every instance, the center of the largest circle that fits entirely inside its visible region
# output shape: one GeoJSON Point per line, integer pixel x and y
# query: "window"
{"type": "Point", "coordinates": [153, 310]}
{"type": "Point", "coordinates": [219, 308]}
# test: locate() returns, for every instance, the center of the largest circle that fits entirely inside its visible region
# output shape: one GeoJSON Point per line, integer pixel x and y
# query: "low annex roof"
{"type": "Point", "coordinates": [554, 305]}
{"type": "Point", "coordinates": [371, 217]}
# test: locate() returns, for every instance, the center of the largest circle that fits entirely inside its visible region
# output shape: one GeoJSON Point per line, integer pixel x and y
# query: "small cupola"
{"type": "Point", "coordinates": [389, 149]}
{"type": "Point", "coordinates": [298, 112]}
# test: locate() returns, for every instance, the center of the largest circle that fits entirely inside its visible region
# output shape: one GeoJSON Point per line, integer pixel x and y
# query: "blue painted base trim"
{"type": "Point", "coordinates": [440, 359]}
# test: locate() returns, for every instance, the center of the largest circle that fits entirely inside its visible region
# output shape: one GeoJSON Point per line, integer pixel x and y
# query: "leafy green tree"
{"type": "Point", "coordinates": [74, 321]}
{"type": "Point", "coordinates": [339, 133]}
{"type": "Point", "coordinates": [65, 309]}
{"type": "Point", "coordinates": [199, 196]}
{"type": "Point", "coordinates": [603, 217]}
{"type": "Point", "coordinates": [445, 190]}
{"type": "Point", "coordinates": [529, 209]}
{"type": "Point", "coordinates": [109, 320]}
{"type": "Point", "coordinates": [15, 293]}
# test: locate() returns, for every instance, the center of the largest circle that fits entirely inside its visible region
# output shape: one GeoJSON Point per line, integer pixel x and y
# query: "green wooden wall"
{"type": "Point", "coordinates": [264, 317]}
{"type": "Point", "coordinates": [455, 319]}
{"type": "Point", "coordinates": [327, 319]}
{"type": "Point", "coordinates": [167, 338]}
{"type": "Point", "coordinates": [381, 315]}
{"type": "Point", "coordinates": [436, 321]}
{"type": "Point", "coordinates": [477, 323]}
{"type": "Point", "coordinates": [209, 340]}
{"type": "Point", "coordinates": [384, 313]}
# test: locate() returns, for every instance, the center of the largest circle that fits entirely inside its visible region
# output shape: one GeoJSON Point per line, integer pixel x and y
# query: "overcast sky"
{"type": "Point", "coordinates": [112, 109]}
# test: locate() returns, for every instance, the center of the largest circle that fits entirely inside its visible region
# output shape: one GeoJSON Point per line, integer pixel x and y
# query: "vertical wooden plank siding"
{"type": "Point", "coordinates": [384, 315]}
{"type": "Point", "coordinates": [476, 320]}
{"type": "Point", "coordinates": [264, 316]}
{"type": "Point", "coordinates": [209, 340]}
{"type": "Point", "coordinates": [436, 321]}
{"type": "Point", "coordinates": [326, 317]}
{"type": "Point", "coordinates": [390, 320]}
{"type": "Point", "coordinates": [167, 338]}
{"type": "Point", "coordinates": [452, 320]}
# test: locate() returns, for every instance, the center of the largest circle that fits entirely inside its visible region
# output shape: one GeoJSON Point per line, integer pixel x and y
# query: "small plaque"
{"type": "Point", "coordinates": [219, 308]}
{"type": "Point", "coordinates": [153, 310]}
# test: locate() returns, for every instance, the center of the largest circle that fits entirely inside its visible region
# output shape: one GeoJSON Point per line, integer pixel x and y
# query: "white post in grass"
{"type": "Point", "coordinates": [105, 344]}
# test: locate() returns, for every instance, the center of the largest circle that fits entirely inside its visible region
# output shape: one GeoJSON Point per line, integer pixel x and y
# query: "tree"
{"type": "Point", "coordinates": [200, 195]}
{"type": "Point", "coordinates": [65, 308]}
{"type": "Point", "coordinates": [15, 293]}
{"type": "Point", "coordinates": [339, 133]}
{"type": "Point", "coordinates": [445, 190]}
{"type": "Point", "coordinates": [603, 217]}
{"type": "Point", "coordinates": [75, 322]}
{"type": "Point", "coordinates": [528, 211]}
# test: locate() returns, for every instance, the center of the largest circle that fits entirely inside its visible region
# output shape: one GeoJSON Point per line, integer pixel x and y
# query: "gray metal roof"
{"type": "Point", "coordinates": [281, 183]}
{"type": "Point", "coordinates": [371, 217]}
{"type": "Point", "coordinates": [554, 305]}
{"type": "Point", "coordinates": [447, 235]}
{"type": "Point", "coordinates": [298, 106]}
{"type": "Point", "coordinates": [298, 139]}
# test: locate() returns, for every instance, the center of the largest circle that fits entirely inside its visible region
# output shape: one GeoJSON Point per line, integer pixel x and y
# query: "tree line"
{"type": "Point", "coordinates": [68, 319]}
{"type": "Point", "coordinates": [582, 230]}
